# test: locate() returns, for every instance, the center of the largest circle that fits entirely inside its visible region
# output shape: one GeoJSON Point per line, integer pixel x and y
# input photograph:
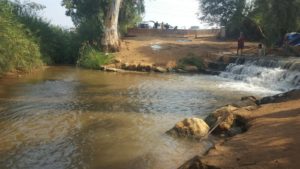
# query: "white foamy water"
{"type": "Point", "coordinates": [261, 77]}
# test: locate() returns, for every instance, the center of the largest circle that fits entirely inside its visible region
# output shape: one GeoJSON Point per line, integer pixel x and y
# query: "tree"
{"type": "Point", "coordinates": [110, 40]}
{"type": "Point", "coordinates": [228, 13]}
{"type": "Point", "coordinates": [98, 20]}
{"type": "Point", "coordinates": [269, 19]}
{"type": "Point", "coordinates": [276, 18]}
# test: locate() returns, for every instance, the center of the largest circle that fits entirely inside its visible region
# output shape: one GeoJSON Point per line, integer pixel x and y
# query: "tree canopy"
{"type": "Point", "coordinates": [269, 19]}
{"type": "Point", "coordinates": [89, 15]}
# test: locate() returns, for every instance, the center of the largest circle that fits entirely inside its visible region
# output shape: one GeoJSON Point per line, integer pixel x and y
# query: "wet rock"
{"type": "Point", "coordinates": [190, 128]}
{"type": "Point", "coordinates": [280, 97]}
{"type": "Point", "coordinates": [132, 67]}
{"type": "Point", "coordinates": [181, 71]}
{"type": "Point", "coordinates": [143, 68]}
{"type": "Point", "coordinates": [227, 116]}
{"type": "Point", "coordinates": [220, 66]}
{"type": "Point", "coordinates": [210, 72]}
{"type": "Point", "coordinates": [124, 66]}
{"type": "Point", "coordinates": [110, 69]}
{"type": "Point", "coordinates": [159, 69]}
{"type": "Point", "coordinates": [248, 101]}
{"type": "Point", "coordinates": [230, 123]}
{"type": "Point", "coordinates": [196, 163]}
{"type": "Point", "coordinates": [192, 69]}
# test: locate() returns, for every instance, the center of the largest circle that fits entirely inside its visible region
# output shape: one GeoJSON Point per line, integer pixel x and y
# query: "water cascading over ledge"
{"type": "Point", "coordinates": [278, 74]}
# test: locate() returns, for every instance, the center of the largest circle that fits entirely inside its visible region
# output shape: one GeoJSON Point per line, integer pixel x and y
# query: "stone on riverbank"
{"type": "Point", "coordinates": [191, 69]}
{"type": "Point", "coordinates": [248, 101]}
{"type": "Point", "coordinates": [190, 128]}
{"type": "Point", "coordinates": [227, 116]}
{"type": "Point", "coordinates": [160, 69]}
{"type": "Point", "coordinates": [230, 122]}
{"type": "Point", "coordinates": [280, 97]}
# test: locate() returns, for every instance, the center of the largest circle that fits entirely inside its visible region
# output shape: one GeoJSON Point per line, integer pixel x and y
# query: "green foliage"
{"type": "Point", "coordinates": [276, 18]}
{"type": "Point", "coordinates": [191, 60]}
{"type": "Point", "coordinates": [92, 58]}
{"type": "Point", "coordinates": [269, 19]}
{"type": "Point", "coordinates": [17, 49]}
{"type": "Point", "coordinates": [88, 16]}
{"type": "Point", "coordinates": [57, 44]}
{"type": "Point", "coordinates": [130, 14]}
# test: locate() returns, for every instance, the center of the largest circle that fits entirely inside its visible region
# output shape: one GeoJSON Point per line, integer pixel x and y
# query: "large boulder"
{"type": "Point", "coordinates": [190, 128]}
{"type": "Point", "coordinates": [196, 163]}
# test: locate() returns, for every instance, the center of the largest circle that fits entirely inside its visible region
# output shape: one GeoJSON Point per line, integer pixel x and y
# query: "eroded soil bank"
{"type": "Point", "coordinates": [271, 141]}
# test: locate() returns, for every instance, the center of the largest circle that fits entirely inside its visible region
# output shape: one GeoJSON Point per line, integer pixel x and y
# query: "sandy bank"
{"type": "Point", "coordinates": [165, 52]}
{"type": "Point", "coordinates": [272, 140]}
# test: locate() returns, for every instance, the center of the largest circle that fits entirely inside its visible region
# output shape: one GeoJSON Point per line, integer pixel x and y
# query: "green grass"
{"type": "Point", "coordinates": [191, 60]}
{"type": "Point", "coordinates": [92, 58]}
{"type": "Point", "coordinates": [18, 50]}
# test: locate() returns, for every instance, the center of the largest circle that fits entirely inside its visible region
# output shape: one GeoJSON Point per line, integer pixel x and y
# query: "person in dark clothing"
{"type": "Point", "coordinates": [241, 44]}
{"type": "Point", "coordinates": [156, 24]}
{"type": "Point", "coordinates": [167, 26]}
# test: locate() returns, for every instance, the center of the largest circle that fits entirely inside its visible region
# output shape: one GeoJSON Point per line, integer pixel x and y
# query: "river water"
{"type": "Point", "coordinates": [68, 118]}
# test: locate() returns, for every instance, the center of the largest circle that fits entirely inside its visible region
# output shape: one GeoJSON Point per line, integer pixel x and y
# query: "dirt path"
{"type": "Point", "coordinates": [272, 141]}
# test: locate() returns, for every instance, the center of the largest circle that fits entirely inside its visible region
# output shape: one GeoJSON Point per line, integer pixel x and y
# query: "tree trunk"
{"type": "Point", "coordinates": [110, 40]}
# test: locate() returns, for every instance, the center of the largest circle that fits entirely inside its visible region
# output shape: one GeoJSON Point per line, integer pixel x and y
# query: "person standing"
{"type": "Point", "coordinates": [241, 44]}
{"type": "Point", "coordinates": [156, 25]}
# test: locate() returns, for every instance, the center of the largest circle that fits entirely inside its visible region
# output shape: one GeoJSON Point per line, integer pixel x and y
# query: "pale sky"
{"type": "Point", "coordinates": [175, 12]}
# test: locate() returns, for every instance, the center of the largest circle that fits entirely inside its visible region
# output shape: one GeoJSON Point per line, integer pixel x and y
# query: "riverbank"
{"type": "Point", "coordinates": [163, 54]}
{"type": "Point", "coordinates": [271, 141]}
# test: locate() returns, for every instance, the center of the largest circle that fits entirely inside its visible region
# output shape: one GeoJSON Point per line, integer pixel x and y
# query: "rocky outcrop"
{"type": "Point", "coordinates": [190, 128]}
{"type": "Point", "coordinates": [224, 115]}
{"type": "Point", "coordinates": [226, 121]}
{"type": "Point", "coordinates": [196, 163]}
{"type": "Point", "coordinates": [280, 97]}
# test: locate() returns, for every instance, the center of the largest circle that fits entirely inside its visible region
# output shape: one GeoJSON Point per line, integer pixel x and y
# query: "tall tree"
{"type": "Point", "coordinates": [110, 40]}
{"type": "Point", "coordinates": [101, 20]}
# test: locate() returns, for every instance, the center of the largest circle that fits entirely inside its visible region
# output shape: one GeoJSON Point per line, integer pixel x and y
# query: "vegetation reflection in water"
{"type": "Point", "coordinates": [66, 118]}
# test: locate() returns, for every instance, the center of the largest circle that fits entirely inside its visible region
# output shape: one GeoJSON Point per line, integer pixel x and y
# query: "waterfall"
{"type": "Point", "coordinates": [263, 74]}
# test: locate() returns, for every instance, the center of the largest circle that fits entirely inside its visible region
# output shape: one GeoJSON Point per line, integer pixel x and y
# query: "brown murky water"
{"type": "Point", "coordinates": [68, 118]}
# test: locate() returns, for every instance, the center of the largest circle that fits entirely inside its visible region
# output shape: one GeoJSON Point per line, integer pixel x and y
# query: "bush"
{"type": "Point", "coordinates": [92, 58]}
{"type": "Point", "coordinates": [17, 49]}
{"type": "Point", "coordinates": [191, 60]}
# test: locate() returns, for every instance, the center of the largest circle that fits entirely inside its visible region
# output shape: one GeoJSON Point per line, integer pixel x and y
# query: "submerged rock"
{"type": "Point", "coordinates": [196, 163]}
{"type": "Point", "coordinates": [191, 128]}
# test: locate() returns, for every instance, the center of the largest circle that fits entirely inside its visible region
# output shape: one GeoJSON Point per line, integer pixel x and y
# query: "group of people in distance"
{"type": "Point", "coordinates": [163, 26]}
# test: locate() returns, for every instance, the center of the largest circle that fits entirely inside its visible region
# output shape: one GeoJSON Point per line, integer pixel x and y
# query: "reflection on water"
{"type": "Point", "coordinates": [64, 118]}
